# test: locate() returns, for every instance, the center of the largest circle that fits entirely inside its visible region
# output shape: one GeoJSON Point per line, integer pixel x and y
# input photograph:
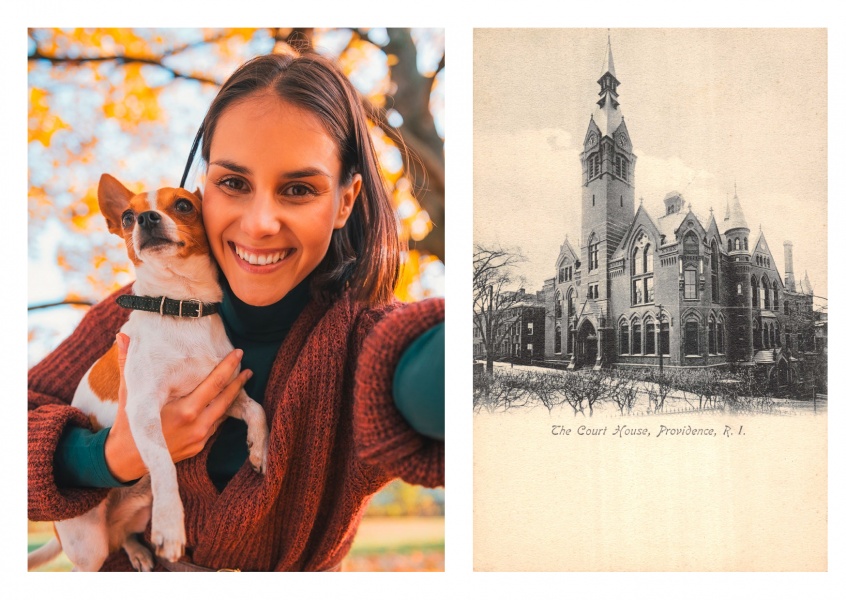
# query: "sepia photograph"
{"type": "Point", "coordinates": [650, 290]}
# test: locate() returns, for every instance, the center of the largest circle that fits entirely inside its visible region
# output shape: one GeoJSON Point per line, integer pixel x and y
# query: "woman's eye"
{"type": "Point", "coordinates": [233, 183]}
{"type": "Point", "coordinates": [298, 189]}
{"type": "Point", "coordinates": [127, 219]}
{"type": "Point", "coordinates": [184, 206]}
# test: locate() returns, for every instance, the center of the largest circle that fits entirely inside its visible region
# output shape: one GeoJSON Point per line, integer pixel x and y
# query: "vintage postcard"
{"type": "Point", "coordinates": [650, 300]}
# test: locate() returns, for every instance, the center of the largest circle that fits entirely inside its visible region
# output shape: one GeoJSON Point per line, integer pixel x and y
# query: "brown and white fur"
{"type": "Point", "coordinates": [167, 358]}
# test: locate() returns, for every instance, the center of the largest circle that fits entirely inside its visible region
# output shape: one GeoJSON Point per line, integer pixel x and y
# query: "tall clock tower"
{"type": "Point", "coordinates": [608, 167]}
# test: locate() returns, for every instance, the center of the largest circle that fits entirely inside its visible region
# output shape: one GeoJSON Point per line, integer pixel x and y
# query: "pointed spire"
{"type": "Point", "coordinates": [734, 214]}
{"type": "Point", "coordinates": [608, 64]}
{"type": "Point", "coordinates": [806, 284]}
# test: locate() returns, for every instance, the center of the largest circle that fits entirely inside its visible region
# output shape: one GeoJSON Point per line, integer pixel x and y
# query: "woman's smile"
{"type": "Point", "coordinates": [260, 261]}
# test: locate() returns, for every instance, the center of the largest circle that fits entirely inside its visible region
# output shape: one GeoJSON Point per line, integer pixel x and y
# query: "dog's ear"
{"type": "Point", "coordinates": [199, 194]}
{"type": "Point", "coordinates": [114, 199]}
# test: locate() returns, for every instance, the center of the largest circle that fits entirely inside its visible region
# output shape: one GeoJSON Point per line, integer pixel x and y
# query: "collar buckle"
{"type": "Point", "coordinates": [199, 308]}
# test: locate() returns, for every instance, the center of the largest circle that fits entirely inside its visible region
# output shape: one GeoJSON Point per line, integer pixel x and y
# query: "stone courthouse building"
{"type": "Point", "coordinates": [681, 288]}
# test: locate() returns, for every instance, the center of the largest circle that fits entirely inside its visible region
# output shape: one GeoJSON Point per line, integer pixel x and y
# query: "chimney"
{"type": "Point", "coordinates": [789, 281]}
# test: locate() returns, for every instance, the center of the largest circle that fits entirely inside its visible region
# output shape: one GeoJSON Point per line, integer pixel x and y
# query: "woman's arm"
{"type": "Point", "coordinates": [51, 387]}
{"type": "Point", "coordinates": [383, 435]}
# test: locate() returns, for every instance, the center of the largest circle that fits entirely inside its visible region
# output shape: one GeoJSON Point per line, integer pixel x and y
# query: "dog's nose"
{"type": "Point", "coordinates": [149, 219]}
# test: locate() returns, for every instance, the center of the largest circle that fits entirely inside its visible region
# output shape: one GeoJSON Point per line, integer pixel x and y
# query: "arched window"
{"type": "Point", "coordinates": [571, 304]}
{"type": "Point", "coordinates": [715, 272]}
{"type": "Point", "coordinates": [691, 337]}
{"type": "Point", "coordinates": [624, 337]}
{"type": "Point", "coordinates": [691, 243]}
{"type": "Point", "coordinates": [636, 339]}
{"type": "Point", "coordinates": [712, 335]}
{"type": "Point", "coordinates": [721, 336]}
{"type": "Point", "coordinates": [775, 295]}
{"type": "Point", "coordinates": [557, 305]}
{"type": "Point", "coordinates": [664, 336]}
{"type": "Point", "coordinates": [593, 253]}
{"type": "Point", "coordinates": [642, 264]}
{"type": "Point", "coordinates": [558, 339]}
{"type": "Point", "coordinates": [746, 243]}
{"type": "Point", "coordinates": [765, 292]}
{"type": "Point", "coordinates": [756, 335]}
{"type": "Point", "coordinates": [755, 294]}
{"type": "Point", "coordinates": [648, 336]}
{"type": "Point", "coordinates": [777, 332]}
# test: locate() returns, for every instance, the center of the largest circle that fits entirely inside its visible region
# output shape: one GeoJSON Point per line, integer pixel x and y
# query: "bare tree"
{"type": "Point", "coordinates": [502, 391]}
{"type": "Point", "coordinates": [622, 391]}
{"type": "Point", "coordinates": [494, 276]}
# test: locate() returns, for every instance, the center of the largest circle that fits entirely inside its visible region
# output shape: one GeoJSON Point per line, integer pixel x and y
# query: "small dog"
{"type": "Point", "coordinates": [173, 348]}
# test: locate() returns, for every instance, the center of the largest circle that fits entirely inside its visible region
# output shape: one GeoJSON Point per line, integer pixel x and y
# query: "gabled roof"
{"type": "Point", "coordinates": [668, 225]}
{"type": "Point", "coordinates": [566, 251]}
{"type": "Point", "coordinates": [641, 220]}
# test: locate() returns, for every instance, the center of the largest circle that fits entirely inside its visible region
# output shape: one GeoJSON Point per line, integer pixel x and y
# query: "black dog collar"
{"type": "Point", "coordinates": [192, 309]}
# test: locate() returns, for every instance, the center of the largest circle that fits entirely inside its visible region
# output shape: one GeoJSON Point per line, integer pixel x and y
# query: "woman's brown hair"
{"type": "Point", "coordinates": [365, 253]}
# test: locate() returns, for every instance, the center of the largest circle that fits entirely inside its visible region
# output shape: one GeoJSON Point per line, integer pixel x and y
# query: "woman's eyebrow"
{"type": "Point", "coordinates": [306, 172]}
{"type": "Point", "coordinates": [226, 164]}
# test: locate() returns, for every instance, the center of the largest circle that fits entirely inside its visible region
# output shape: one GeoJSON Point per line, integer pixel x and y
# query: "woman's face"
{"type": "Point", "coordinates": [273, 196]}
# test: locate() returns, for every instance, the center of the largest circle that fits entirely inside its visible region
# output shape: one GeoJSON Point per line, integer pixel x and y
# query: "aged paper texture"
{"type": "Point", "coordinates": [714, 119]}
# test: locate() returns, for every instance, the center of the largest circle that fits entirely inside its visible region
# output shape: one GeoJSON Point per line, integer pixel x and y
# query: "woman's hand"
{"type": "Point", "coordinates": [187, 422]}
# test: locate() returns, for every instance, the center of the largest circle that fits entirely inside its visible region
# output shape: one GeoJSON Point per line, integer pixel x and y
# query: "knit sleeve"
{"type": "Point", "coordinates": [51, 387]}
{"type": "Point", "coordinates": [383, 437]}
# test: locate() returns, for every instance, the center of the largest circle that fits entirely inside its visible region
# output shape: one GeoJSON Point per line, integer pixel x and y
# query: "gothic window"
{"type": "Point", "coordinates": [755, 294]}
{"type": "Point", "coordinates": [765, 292]}
{"type": "Point", "coordinates": [691, 243]}
{"type": "Point", "coordinates": [649, 336]}
{"type": "Point", "coordinates": [756, 335]}
{"type": "Point", "coordinates": [777, 333]}
{"type": "Point", "coordinates": [593, 254]}
{"type": "Point", "coordinates": [786, 307]}
{"type": "Point", "coordinates": [593, 165]}
{"type": "Point", "coordinates": [621, 168]}
{"type": "Point", "coordinates": [642, 264]}
{"type": "Point", "coordinates": [571, 304]}
{"type": "Point", "coordinates": [715, 272]}
{"type": "Point", "coordinates": [721, 337]}
{"type": "Point", "coordinates": [636, 340]}
{"type": "Point", "coordinates": [775, 296]}
{"type": "Point", "coordinates": [664, 337]}
{"type": "Point", "coordinates": [558, 305]}
{"type": "Point", "coordinates": [746, 243]}
{"type": "Point", "coordinates": [561, 275]}
{"type": "Point", "coordinates": [712, 335]}
{"type": "Point", "coordinates": [690, 287]}
{"type": "Point", "coordinates": [691, 338]}
{"type": "Point", "coordinates": [624, 338]}
{"type": "Point", "coordinates": [558, 339]}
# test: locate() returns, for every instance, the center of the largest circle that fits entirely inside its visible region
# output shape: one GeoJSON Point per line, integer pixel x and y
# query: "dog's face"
{"type": "Point", "coordinates": [156, 226]}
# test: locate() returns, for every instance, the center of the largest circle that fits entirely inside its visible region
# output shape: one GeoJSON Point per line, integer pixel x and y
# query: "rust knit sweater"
{"type": "Point", "coordinates": [335, 439]}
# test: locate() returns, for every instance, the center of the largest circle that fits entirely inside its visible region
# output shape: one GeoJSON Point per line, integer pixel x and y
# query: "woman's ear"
{"type": "Point", "coordinates": [348, 197]}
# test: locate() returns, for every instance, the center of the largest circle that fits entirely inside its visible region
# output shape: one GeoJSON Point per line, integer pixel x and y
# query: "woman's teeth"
{"type": "Point", "coordinates": [261, 259]}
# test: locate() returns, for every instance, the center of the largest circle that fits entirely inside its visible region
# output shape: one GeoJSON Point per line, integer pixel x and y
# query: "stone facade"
{"type": "Point", "coordinates": [680, 289]}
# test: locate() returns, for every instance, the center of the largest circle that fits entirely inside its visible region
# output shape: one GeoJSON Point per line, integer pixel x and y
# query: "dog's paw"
{"type": "Point", "coordinates": [140, 557]}
{"type": "Point", "coordinates": [168, 548]}
{"type": "Point", "coordinates": [168, 534]}
{"type": "Point", "coordinates": [257, 444]}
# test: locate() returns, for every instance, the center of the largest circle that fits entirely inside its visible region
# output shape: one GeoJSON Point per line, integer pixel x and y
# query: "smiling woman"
{"type": "Point", "coordinates": [301, 225]}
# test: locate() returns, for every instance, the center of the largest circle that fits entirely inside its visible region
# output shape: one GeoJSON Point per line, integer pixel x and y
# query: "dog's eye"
{"type": "Point", "coordinates": [184, 206]}
{"type": "Point", "coordinates": [127, 219]}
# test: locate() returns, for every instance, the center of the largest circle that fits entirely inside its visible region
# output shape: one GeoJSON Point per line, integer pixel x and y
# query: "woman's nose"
{"type": "Point", "coordinates": [262, 216]}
